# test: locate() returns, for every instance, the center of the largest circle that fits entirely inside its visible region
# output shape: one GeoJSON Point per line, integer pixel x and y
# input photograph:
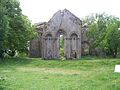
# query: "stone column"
{"type": "Point", "coordinates": [79, 48]}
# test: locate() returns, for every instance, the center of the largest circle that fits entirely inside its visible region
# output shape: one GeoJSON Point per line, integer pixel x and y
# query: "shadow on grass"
{"type": "Point", "coordinates": [15, 61]}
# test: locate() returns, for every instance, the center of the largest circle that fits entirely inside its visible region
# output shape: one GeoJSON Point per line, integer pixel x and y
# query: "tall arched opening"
{"type": "Point", "coordinates": [61, 41]}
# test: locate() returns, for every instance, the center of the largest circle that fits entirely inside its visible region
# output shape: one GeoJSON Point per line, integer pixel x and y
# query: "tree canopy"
{"type": "Point", "coordinates": [15, 28]}
{"type": "Point", "coordinates": [104, 33]}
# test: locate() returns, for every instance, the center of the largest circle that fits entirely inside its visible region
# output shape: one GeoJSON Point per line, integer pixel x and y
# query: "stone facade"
{"type": "Point", "coordinates": [47, 44]}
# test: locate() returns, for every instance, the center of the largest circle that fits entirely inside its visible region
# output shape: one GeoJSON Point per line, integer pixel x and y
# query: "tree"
{"type": "Point", "coordinates": [97, 24]}
{"type": "Point", "coordinates": [16, 28]}
{"type": "Point", "coordinates": [103, 33]}
{"type": "Point", "coordinates": [113, 37]}
{"type": "Point", "coordinates": [3, 27]}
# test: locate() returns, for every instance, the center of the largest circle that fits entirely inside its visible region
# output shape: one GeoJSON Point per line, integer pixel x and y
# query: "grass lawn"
{"type": "Point", "coordinates": [37, 74]}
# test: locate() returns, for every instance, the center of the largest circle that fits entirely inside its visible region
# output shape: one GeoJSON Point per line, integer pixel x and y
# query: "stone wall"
{"type": "Point", "coordinates": [47, 44]}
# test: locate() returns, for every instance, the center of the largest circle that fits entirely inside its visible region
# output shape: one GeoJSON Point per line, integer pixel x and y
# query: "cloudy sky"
{"type": "Point", "coordinates": [42, 10]}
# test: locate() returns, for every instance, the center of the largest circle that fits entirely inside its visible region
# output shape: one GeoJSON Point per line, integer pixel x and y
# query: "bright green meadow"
{"type": "Point", "coordinates": [37, 74]}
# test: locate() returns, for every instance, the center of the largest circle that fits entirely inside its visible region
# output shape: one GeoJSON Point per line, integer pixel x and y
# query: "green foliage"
{"type": "Point", "coordinates": [62, 46]}
{"type": "Point", "coordinates": [97, 29]}
{"type": "Point", "coordinates": [3, 27]}
{"type": "Point", "coordinates": [16, 30]}
{"type": "Point", "coordinates": [113, 37]}
{"type": "Point", "coordinates": [61, 41]}
{"type": "Point", "coordinates": [62, 52]}
{"type": "Point", "coordinates": [103, 33]}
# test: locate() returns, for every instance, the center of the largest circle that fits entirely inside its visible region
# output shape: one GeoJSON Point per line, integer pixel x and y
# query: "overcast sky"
{"type": "Point", "coordinates": [42, 10]}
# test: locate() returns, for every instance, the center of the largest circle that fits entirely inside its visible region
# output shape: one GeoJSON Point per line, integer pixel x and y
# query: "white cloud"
{"type": "Point", "coordinates": [42, 10]}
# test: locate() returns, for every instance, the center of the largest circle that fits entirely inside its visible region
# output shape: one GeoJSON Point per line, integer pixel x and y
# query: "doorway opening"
{"type": "Point", "coordinates": [61, 46]}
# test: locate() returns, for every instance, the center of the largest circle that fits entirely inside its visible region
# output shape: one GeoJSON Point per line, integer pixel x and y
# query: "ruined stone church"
{"type": "Point", "coordinates": [47, 44]}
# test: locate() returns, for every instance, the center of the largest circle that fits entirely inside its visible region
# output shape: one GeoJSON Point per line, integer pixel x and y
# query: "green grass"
{"type": "Point", "coordinates": [37, 74]}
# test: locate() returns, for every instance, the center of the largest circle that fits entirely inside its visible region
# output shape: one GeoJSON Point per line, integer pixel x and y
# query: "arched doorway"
{"type": "Point", "coordinates": [61, 46]}
{"type": "Point", "coordinates": [61, 41]}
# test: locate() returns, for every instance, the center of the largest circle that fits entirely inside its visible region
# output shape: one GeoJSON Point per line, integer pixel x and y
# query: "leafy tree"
{"type": "Point", "coordinates": [3, 27]}
{"type": "Point", "coordinates": [103, 33]}
{"type": "Point", "coordinates": [113, 37]}
{"type": "Point", "coordinates": [97, 24]}
{"type": "Point", "coordinates": [16, 29]}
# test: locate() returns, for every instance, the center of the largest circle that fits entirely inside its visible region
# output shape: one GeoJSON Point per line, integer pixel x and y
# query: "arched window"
{"type": "Point", "coordinates": [48, 36]}
{"type": "Point", "coordinates": [48, 46]}
{"type": "Point", "coordinates": [74, 36]}
{"type": "Point", "coordinates": [74, 42]}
